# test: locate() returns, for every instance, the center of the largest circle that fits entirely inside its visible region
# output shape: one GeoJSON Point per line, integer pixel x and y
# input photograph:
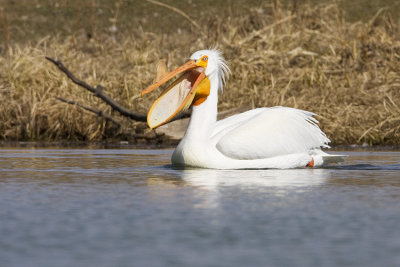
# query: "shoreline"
{"type": "Point", "coordinates": [128, 145]}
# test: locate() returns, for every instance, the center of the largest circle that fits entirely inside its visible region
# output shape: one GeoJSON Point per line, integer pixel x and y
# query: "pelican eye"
{"type": "Point", "coordinates": [205, 58]}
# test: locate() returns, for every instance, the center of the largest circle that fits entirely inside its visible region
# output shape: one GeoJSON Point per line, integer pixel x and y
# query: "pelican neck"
{"type": "Point", "coordinates": [204, 116]}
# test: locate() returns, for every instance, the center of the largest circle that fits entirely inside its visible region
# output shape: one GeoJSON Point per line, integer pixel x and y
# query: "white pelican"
{"type": "Point", "coordinates": [276, 137]}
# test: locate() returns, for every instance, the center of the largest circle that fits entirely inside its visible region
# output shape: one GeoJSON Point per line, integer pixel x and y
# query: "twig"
{"type": "Point", "coordinates": [375, 17]}
{"type": "Point", "coordinates": [109, 118]}
{"type": "Point", "coordinates": [98, 92]}
{"type": "Point", "coordinates": [4, 24]}
{"type": "Point", "coordinates": [97, 112]}
{"type": "Point", "coordinates": [180, 12]}
{"type": "Point", "coordinates": [182, 115]}
{"type": "Point", "coordinates": [259, 32]}
{"type": "Point", "coordinates": [146, 136]}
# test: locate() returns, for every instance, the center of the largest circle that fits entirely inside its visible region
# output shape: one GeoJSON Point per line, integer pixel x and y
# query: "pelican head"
{"type": "Point", "coordinates": [191, 87]}
{"type": "Point", "coordinates": [216, 66]}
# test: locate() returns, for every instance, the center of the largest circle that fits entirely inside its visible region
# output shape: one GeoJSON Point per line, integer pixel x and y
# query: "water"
{"type": "Point", "coordinates": [123, 207]}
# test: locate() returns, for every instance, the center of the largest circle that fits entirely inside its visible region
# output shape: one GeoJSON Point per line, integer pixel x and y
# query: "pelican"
{"type": "Point", "coordinates": [262, 138]}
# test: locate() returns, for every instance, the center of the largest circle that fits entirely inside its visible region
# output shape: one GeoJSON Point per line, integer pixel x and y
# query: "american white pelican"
{"type": "Point", "coordinates": [276, 137]}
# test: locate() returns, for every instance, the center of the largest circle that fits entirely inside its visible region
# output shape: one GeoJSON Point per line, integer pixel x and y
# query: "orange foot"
{"type": "Point", "coordinates": [311, 163]}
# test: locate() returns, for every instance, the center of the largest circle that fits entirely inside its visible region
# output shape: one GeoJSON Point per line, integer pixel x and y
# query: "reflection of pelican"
{"type": "Point", "coordinates": [213, 179]}
{"type": "Point", "coordinates": [275, 137]}
{"type": "Point", "coordinates": [209, 186]}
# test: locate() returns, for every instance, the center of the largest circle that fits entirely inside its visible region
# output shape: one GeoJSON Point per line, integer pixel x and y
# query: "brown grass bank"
{"type": "Point", "coordinates": [308, 57]}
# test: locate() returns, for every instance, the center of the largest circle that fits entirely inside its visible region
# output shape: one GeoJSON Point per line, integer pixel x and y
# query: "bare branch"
{"type": "Point", "coordinates": [109, 118]}
{"type": "Point", "coordinates": [97, 112]}
{"type": "Point", "coordinates": [98, 92]}
{"type": "Point", "coordinates": [263, 30]}
{"type": "Point", "coordinates": [180, 12]}
{"type": "Point", "coordinates": [182, 115]}
{"type": "Point", "coordinates": [6, 30]}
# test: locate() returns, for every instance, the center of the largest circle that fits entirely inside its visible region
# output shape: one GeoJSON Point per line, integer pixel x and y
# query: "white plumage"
{"type": "Point", "coordinates": [274, 132]}
{"type": "Point", "coordinates": [276, 137]}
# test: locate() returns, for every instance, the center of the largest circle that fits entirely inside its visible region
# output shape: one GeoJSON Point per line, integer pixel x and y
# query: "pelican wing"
{"type": "Point", "coordinates": [268, 132]}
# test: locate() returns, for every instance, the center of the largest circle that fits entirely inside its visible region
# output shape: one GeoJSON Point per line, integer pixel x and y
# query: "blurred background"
{"type": "Point", "coordinates": [31, 20]}
{"type": "Point", "coordinates": [339, 59]}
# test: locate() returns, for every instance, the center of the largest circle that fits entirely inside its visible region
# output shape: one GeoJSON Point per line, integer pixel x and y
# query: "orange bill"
{"type": "Point", "coordinates": [188, 65]}
{"type": "Point", "coordinates": [178, 96]}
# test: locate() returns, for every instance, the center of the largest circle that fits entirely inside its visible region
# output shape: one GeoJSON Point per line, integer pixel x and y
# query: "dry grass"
{"type": "Point", "coordinates": [310, 58]}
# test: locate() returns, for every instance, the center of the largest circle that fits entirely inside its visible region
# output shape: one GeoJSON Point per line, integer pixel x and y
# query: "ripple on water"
{"type": "Point", "coordinates": [78, 207]}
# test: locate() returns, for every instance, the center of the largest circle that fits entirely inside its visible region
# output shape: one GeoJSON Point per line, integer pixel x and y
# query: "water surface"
{"type": "Point", "coordinates": [126, 207]}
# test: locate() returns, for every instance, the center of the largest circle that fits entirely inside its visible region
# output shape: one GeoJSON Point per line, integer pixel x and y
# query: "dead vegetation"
{"type": "Point", "coordinates": [303, 57]}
